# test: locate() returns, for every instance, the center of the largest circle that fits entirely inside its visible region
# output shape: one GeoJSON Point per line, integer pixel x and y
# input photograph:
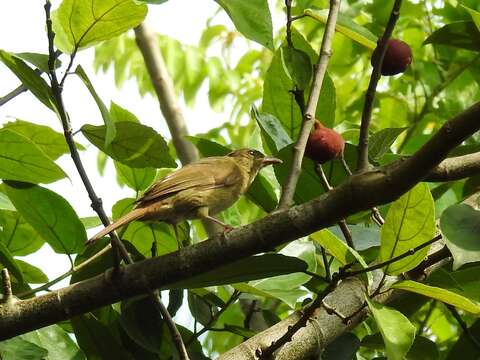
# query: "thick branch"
{"type": "Point", "coordinates": [360, 192]}
{"type": "Point", "coordinates": [309, 117]}
{"type": "Point", "coordinates": [456, 168]}
{"type": "Point", "coordinates": [163, 85]}
{"type": "Point", "coordinates": [363, 162]}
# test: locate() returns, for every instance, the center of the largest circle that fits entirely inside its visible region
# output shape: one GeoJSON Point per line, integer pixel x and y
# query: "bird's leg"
{"type": "Point", "coordinates": [202, 212]}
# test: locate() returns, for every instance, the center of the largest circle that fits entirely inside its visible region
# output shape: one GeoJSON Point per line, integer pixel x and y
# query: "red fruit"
{"type": "Point", "coordinates": [397, 58]}
{"type": "Point", "coordinates": [324, 144]}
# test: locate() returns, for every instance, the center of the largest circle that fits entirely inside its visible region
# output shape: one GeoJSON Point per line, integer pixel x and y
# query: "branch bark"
{"type": "Point", "coordinates": [163, 85]}
{"type": "Point", "coordinates": [456, 168]}
{"type": "Point", "coordinates": [360, 192]}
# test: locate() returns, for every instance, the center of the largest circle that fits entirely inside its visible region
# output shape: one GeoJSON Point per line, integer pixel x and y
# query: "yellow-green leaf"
{"type": "Point", "coordinates": [81, 23]}
{"type": "Point", "coordinates": [446, 296]}
{"type": "Point", "coordinates": [410, 222]}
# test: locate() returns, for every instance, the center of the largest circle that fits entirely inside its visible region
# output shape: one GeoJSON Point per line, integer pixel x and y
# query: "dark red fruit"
{"type": "Point", "coordinates": [324, 144]}
{"type": "Point", "coordinates": [397, 58]}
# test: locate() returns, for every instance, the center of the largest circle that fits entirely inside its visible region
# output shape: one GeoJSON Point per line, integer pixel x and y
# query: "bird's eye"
{"type": "Point", "coordinates": [251, 152]}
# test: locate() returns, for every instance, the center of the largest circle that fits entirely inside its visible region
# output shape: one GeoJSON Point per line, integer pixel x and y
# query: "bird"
{"type": "Point", "coordinates": [198, 190]}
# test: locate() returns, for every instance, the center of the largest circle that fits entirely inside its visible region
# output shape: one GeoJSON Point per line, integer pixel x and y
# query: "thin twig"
{"type": "Point", "coordinates": [6, 286]}
{"type": "Point", "coordinates": [376, 216]}
{"type": "Point", "coordinates": [97, 206]}
{"type": "Point", "coordinates": [12, 94]}
{"type": "Point", "coordinates": [363, 162]}
{"type": "Point", "coordinates": [474, 341]}
{"type": "Point", "coordinates": [342, 224]}
{"type": "Point", "coordinates": [326, 265]}
{"type": "Point", "coordinates": [176, 337]}
{"type": "Point", "coordinates": [394, 259]}
{"type": "Point", "coordinates": [72, 271]}
{"type": "Point", "coordinates": [309, 117]}
{"type": "Point", "coordinates": [302, 322]}
{"type": "Point", "coordinates": [288, 6]}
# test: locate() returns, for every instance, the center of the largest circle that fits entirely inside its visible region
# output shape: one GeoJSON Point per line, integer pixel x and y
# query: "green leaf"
{"type": "Point", "coordinates": [397, 331]}
{"type": "Point", "coordinates": [119, 114]}
{"type": "Point", "coordinates": [57, 341]}
{"type": "Point", "coordinates": [137, 179]}
{"type": "Point", "coordinates": [287, 287]}
{"type": "Point", "coordinates": [52, 143]}
{"type": "Point", "coordinates": [272, 130]}
{"type": "Point", "coordinates": [30, 79]}
{"type": "Point", "coordinates": [134, 145]}
{"type": "Point", "coordinates": [443, 295]}
{"type": "Point", "coordinates": [111, 130]}
{"type": "Point", "coordinates": [251, 268]}
{"type": "Point", "coordinates": [31, 274]}
{"type": "Point", "coordinates": [347, 27]}
{"type": "Point", "coordinates": [91, 221]}
{"type": "Point", "coordinates": [142, 322]}
{"type": "Point", "coordinates": [97, 340]}
{"type": "Point", "coordinates": [423, 349]}
{"type": "Point", "coordinates": [464, 344]}
{"type": "Point", "coordinates": [7, 261]}
{"type": "Point", "coordinates": [20, 349]}
{"type": "Point", "coordinates": [50, 215]}
{"type": "Point", "coordinates": [463, 282]}
{"type": "Point", "coordinates": [460, 224]}
{"type": "Point", "coordinates": [474, 14]}
{"type": "Point", "coordinates": [343, 347]}
{"type": "Point", "coordinates": [279, 101]}
{"type": "Point", "coordinates": [252, 19]}
{"type": "Point", "coordinates": [5, 203]}
{"type": "Point", "coordinates": [410, 222]}
{"type": "Point", "coordinates": [81, 23]}
{"type": "Point", "coordinates": [200, 309]}
{"type": "Point", "coordinates": [381, 141]}
{"type": "Point", "coordinates": [339, 249]}
{"type": "Point", "coordinates": [40, 61]}
{"type": "Point", "coordinates": [17, 235]}
{"type": "Point", "coordinates": [260, 192]}
{"type": "Point", "coordinates": [364, 237]}
{"type": "Point", "coordinates": [461, 34]}
{"type": "Point", "coordinates": [239, 330]}
{"type": "Point", "coordinates": [297, 65]}
{"type": "Point", "coordinates": [143, 234]}
{"type": "Point", "coordinates": [22, 160]}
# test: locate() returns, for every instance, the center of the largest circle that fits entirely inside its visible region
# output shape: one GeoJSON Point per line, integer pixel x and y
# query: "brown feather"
{"type": "Point", "coordinates": [135, 214]}
{"type": "Point", "coordinates": [205, 174]}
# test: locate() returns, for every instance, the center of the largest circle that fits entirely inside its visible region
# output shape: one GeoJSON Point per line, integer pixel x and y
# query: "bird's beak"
{"type": "Point", "coordinates": [270, 161]}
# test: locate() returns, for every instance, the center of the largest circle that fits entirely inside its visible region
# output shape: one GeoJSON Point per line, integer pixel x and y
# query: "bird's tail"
{"type": "Point", "coordinates": [135, 214]}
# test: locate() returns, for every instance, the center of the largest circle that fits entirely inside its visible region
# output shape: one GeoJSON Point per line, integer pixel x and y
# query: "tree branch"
{"type": "Point", "coordinates": [456, 168]}
{"type": "Point", "coordinates": [97, 206]}
{"type": "Point", "coordinates": [288, 189]}
{"type": "Point", "coordinates": [363, 162]}
{"type": "Point", "coordinates": [358, 193]}
{"type": "Point", "coordinates": [163, 85]}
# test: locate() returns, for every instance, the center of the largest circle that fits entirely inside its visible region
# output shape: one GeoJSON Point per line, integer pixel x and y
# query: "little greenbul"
{"type": "Point", "coordinates": [197, 191]}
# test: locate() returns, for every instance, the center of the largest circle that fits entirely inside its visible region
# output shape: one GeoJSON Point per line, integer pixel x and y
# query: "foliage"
{"type": "Point", "coordinates": [262, 90]}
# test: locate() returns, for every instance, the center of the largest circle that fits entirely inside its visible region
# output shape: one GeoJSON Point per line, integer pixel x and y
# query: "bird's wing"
{"type": "Point", "coordinates": [208, 173]}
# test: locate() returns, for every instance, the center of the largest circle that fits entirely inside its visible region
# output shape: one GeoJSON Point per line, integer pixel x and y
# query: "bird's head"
{"type": "Point", "coordinates": [252, 161]}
